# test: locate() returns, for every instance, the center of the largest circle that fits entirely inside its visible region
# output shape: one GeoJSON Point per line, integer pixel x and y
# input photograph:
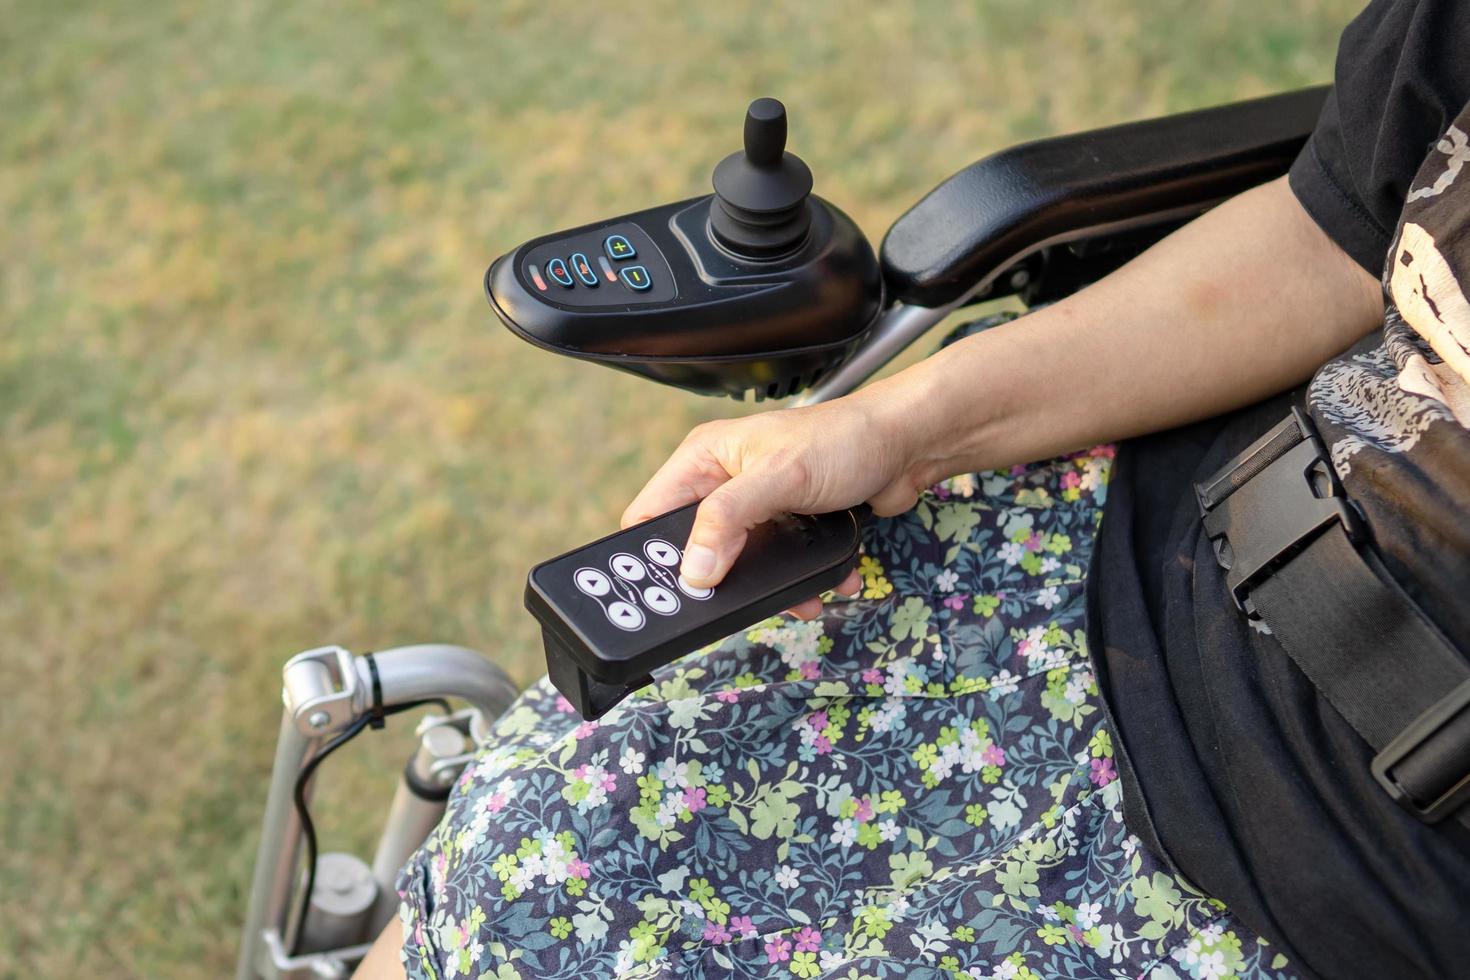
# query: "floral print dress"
{"type": "Point", "coordinates": [917, 784]}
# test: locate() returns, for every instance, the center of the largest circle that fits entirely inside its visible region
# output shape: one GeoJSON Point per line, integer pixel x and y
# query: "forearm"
{"type": "Point", "coordinates": [1242, 303]}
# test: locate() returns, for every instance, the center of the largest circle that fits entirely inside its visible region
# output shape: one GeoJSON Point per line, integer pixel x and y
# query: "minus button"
{"type": "Point", "coordinates": [636, 277]}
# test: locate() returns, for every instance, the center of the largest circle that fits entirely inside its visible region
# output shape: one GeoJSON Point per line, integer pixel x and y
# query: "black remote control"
{"type": "Point", "coordinates": [616, 609]}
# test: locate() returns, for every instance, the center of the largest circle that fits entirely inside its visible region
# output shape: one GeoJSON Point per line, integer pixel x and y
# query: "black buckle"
{"type": "Point", "coordinates": [1271, 500]}
{"type": "Point", "coordinates": [1423, 729]}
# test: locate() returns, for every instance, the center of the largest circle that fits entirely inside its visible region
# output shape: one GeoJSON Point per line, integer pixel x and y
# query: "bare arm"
{"type": "Point", "coordinates": [382, 961]}
{"type": "Point", "coordinates": [1242, 303]}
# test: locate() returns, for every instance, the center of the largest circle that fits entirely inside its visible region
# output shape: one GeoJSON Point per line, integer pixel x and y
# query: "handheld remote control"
{"type": "Point", "coordinates": [614, 610]}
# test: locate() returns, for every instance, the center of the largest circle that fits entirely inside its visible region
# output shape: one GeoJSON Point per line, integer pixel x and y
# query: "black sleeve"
{"type": "Point", "coordinates": [1403, 74]}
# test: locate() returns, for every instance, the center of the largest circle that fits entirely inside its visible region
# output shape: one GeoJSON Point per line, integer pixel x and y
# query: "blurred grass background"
{"type": "Point", "coordinates": [253, 401]}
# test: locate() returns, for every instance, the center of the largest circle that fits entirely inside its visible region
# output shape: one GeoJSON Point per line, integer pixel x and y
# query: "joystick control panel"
{"type": "Point", "coordinates": [759, 287]}
{"type": "Point", "coordinates": [616, 609]}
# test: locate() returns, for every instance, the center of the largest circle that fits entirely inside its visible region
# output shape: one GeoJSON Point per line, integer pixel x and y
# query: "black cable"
{"type": "Point", "coordinates": [375, 718]}
{"type": "Point", "coordinates": [308, 830]}
{"type": "Point", "coordinates": [375, 713]}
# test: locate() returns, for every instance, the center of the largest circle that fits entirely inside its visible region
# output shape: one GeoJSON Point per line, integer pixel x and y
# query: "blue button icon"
{"type": "Point", "coordinates": [557, 269]}
{"type": "Point", "coordinates": [636, 277]}
{"type": "Point", "coordinates": [583, 269]}
{"type": "Point", "coordinates": [619, 248]}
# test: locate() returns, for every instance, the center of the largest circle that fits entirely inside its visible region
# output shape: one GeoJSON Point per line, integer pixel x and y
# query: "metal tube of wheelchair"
{"type": "Point", "coordinates": [417, 807]}
{"type": "Point", "coordinates": [439, 670]}
{"type": "Point", "coordinates": [412, 673]}
{"type": "Point", "coordinates": [898, 327]}
{"type": "Point", "coordinates": [342, 901]}
{"type": "Point", "coordinates": [326, 690]}
{"type": "Point", "coordinates": [278, 854]}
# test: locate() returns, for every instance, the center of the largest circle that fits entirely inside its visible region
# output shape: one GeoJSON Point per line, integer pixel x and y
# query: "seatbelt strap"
{"type": "Point", "coordinates": [1296, 556]}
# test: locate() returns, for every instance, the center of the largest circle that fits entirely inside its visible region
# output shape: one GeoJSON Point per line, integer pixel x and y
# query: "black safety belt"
{"type": "Point", "coordinates": [1296, 555]}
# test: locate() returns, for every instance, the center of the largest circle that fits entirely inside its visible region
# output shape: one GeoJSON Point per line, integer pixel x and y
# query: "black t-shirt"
{"type": "Point", "coordinates": [1235, 769]}
{"type": "Point", "coordinates": [1403, 75]}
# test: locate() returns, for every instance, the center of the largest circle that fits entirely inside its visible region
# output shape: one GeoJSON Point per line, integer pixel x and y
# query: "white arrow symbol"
{"type": "Point", "coordinates": [628, 567]}
{"type": "Point", "coordinates": [662, 552]}
{"type": "Point", "coordinates": [625, 616]}
{"type": "Point", "coordinates": [660, 600]}
{"type": "Point", "coordinates": [591, 581]}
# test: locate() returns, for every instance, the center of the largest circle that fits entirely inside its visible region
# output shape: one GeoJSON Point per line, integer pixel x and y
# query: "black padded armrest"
{"type": "Point", "coordinates": [1021, 200]}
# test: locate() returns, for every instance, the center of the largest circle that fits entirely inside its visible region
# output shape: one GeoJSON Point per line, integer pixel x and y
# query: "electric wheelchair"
{"type": "Point", "coordinates": [758, 290]}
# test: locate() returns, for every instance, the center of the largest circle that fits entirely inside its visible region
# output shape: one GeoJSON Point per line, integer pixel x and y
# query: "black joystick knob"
{"type": "Point", "coordinates": [760, 208]}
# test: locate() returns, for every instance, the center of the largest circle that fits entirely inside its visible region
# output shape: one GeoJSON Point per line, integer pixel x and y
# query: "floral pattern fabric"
{"type": "Point", "coordinates": [916, 784]}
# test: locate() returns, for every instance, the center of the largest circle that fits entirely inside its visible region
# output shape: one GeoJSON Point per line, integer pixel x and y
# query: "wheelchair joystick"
{"type": "Point", "coordinates": [760, 208]}
{"type": "Point", "coordinates": [760, 288]}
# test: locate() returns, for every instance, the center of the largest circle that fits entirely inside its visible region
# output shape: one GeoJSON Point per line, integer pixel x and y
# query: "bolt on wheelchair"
{"type": "Point", "coordinates": [760, 290]}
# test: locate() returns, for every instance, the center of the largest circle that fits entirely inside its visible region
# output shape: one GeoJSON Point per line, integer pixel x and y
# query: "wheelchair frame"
{"type": "Point", "coordinates": [1037, 221]}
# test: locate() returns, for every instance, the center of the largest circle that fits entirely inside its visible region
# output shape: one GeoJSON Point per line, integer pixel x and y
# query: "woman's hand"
{"type": "Point", "coordinates": [800, 460]}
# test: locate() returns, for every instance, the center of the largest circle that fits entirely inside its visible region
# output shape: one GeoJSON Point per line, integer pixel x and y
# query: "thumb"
{"type": "Point", "coordinates": [723, 521]}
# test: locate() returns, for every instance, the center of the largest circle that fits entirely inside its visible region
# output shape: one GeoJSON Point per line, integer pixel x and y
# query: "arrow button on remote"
{"type": "Point", "coordinates": [625, 616]}
{"type": "Point", "coordinates": [591, 581]}
{"type": "Point", "coordinates": [627, 567]}
{"type": "Point", "coordinates": [661, 600]}
{"type": "Point", "coordinates": [662, 552]}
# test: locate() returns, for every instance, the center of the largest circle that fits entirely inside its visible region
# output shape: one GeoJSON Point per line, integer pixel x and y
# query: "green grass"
{"type": "Point", "coordinates": [252, 399]}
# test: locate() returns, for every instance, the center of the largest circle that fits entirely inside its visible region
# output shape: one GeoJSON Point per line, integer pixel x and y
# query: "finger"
{"type": "Point", "coordinates": [726, 516]}
{"type": "Point", "coordinates": [690, 474]}
{"type": "Point", "coordinates": [812, 608]}
{"type": "Point", "coordinates": [896, 498]}
{"type": "Point", "coordinates": [807, 609]}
